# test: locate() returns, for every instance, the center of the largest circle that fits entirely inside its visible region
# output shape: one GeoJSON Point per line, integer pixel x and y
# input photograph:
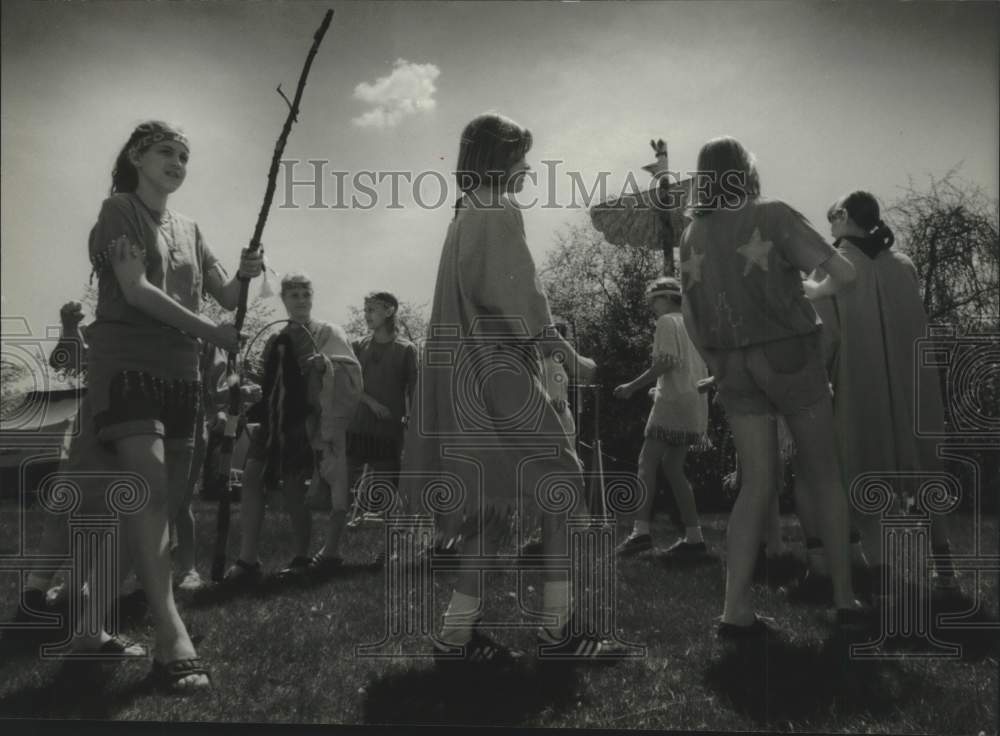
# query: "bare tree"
{"type": "Point", "coordinates": [949, 230]}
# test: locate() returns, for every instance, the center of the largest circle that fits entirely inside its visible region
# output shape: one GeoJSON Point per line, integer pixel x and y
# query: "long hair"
{"type": "Point", "coordinates": [726, 177]}
{"type": "Point", "coordinates": [863, 209]}
{"type": "Point", "coordinates": [490, 145]}
{"type": "Point", "coordinates": [124, 176]}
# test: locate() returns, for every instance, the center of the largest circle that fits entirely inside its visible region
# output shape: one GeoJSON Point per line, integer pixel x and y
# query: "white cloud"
{"type": "Point", "coordinates": [407, 91]}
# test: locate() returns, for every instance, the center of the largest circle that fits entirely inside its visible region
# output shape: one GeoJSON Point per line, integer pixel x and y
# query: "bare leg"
{"type": "Point", "coordinates": [812, 430]}
{"type": "Point", "coordinates": [756, 442]}
{"type": "Point", "coordinates": [649, 460]}
{"type": "Point", "coordinates": [251, 511]}
{"type": "Point", "coordinates": [673, 467]}
{"type": "Point", "coordinates": [147, 533]}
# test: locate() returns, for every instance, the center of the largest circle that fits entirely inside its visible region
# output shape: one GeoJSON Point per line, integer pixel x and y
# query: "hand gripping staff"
{"type": "Point", "coordinates": [233, 363]}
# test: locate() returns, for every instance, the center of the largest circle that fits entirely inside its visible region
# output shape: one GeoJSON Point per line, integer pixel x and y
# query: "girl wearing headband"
{"type": "Point", "coordinates": [678, 420]}
{"type": "Point", "coordinates": [152, 266]}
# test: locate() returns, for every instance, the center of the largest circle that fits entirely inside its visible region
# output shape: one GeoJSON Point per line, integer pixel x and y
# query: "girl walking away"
{"type": "Point", "coordinates": [678, 419]}
{"type": "Point", "coordinates": [152, 266]}
{"type": "Point", "coordinates": [311, 387]}
{"type": "Point", "coordinates": [879, 388]}
{"type": "Point", "coordinates": [389, 367]}
{"type": "Point", "coordinates": [494, 430]}
{"type": "Point", "coordinates": [749, 313]}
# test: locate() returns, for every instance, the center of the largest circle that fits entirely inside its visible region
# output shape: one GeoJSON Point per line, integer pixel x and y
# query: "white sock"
{"type": "Point", "coordinates": [640, 528]}
{"type": "Point", "coordinates": [459, 618]}
{"type": "Point", "coordinates": [692, 535]}
{"type": "Point", "coordinates": [555, 601]}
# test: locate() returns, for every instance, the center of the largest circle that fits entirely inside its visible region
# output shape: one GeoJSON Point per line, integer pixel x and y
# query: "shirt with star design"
{"type": "Point", "coordinates": [741, 272]}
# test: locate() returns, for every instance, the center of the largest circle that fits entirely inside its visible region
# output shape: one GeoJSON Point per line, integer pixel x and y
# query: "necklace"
{"type": "Point", "coordinates": [163, 221]}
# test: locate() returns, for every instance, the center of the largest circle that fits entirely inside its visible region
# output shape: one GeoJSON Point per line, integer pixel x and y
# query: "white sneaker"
{"type": "Point", "coordinates": [191, 582]}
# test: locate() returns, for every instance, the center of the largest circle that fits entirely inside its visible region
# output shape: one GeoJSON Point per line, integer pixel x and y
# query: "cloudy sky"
{"type": "Point", "coordinates": [831, 97]}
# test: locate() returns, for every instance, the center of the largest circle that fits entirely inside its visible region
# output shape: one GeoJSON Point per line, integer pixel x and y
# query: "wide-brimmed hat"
{"type": "Point", "coordinates": [664, 286]}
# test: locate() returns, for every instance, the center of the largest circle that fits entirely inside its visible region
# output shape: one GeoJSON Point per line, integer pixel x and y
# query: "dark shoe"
{"type": "Point", "coordinates": [117, 647]}
{"type": "Point", "coordinates": [242, 573]}
{"type": "Point", "coordinates": [480, 649]}
{"type": "Point", "coordinates": [323, 566]}
{"type": "Point", "coordinates": [298, 567]}
{"type": "Point", "coordinates": [634, 545]}
{"type": "Point", "coordinates": [761, 628]}
{"type": "Point", "coordinates": [682, 550]}
{"type": "Point", "coordinates": [577, 647]}
{"type": "Point", "coordinates": [810, 588]}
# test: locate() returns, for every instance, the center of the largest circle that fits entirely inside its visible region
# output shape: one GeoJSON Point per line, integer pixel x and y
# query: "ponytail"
{"type": "Point", "coordinates": [863, 210]}
{"type": "Point", "coordinates": [883, 233]}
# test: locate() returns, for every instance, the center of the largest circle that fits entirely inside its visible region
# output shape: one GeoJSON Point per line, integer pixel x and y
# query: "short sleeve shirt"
{"type": "Point", "coordinates": [123, 337]}
{"type": "Point", "coordinates": [176, 256]}
{"type": "Point", "coordinates": [390, 374]}
{"type": "Point", "coordinates": [741, 272]}
{"type": "Point", "coordinates": [671, 340]}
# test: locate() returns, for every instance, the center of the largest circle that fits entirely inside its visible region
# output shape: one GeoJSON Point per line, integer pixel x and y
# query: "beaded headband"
{"type": "Point", "coordinates": [159, 136]}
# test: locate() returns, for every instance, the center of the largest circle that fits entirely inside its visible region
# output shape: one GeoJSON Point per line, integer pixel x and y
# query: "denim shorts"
{"type": "Point", "coordinates": [783, 377]}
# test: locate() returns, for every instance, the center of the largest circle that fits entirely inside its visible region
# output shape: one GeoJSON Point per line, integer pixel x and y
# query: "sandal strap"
{"type": "Point", "coordinates": [179, 669]}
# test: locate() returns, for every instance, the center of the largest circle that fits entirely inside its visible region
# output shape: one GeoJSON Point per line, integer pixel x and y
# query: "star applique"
{"type": "Point", "coordinates": [755, 251]}
{"type": "Point", "coordinates": [692, 268]}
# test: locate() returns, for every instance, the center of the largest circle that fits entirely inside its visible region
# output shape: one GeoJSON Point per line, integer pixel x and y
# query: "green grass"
{"type": "Point", "coordinates": [286, 653]}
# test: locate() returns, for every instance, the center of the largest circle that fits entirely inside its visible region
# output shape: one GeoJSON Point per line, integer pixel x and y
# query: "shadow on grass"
{"type": "Point", "coordinates": [76, 690]}
{"type": "Point", "coordinates": [783, 682]}
{"type": "Point", "coordinates": [276, 586]}
{"type": "Point", "coordinates": [955, 620]}
{"type": "Point", "coordinates": [458, 693]}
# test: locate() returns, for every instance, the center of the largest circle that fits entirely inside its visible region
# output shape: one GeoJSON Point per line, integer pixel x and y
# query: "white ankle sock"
{"type": "Point", "coordinates": [693, 535]}
{"type": "Point", "coordinates": [640, 528]}
{"type": "Point", "coordinates": [459, 618]}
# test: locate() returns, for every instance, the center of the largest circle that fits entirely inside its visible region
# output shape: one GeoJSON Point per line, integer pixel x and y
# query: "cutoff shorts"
{"type": "Point", "coordinates": [784, 377]}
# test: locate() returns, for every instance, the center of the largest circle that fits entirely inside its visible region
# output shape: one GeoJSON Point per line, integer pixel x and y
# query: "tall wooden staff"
{"type": "Point", "coordinates": [233, 367]}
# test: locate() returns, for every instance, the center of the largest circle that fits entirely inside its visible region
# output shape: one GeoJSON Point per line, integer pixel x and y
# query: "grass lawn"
{"type": "Point", "coordinates": [286, 653]}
